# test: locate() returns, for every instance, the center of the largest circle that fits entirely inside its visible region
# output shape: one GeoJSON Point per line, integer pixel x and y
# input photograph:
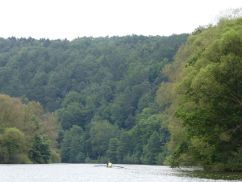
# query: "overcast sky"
{"type": "Point", "coordinates": [59, 19]}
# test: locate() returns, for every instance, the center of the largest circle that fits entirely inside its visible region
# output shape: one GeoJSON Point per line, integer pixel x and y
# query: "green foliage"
{"type": "Point", "coordinates": [152, 148]}
{"type": "Point", "coordinates": [104, 86]}
{"type": "Point", "coordinates": [40, 150]}
{"type": "Point", "coordinates": [21, 128]}
{"type": "Point", "coordinates": [73, 145]}
{"type": "Point", "coordinates": [208, 92]}
{"type": "Point", "coordinates": [100, 134]}
{"type": "Point", "coordinates": [12, 146]}
{"type": "Point", "coordinates": [113, 149]}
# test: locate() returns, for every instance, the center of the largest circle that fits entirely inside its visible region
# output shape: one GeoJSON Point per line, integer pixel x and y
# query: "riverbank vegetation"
{"type": "Point", "coordinates": [27, 134]}
{"type": "Point", "coordinates": [112, 102]}
{"type": "Point", "coordinates": [204, 99]}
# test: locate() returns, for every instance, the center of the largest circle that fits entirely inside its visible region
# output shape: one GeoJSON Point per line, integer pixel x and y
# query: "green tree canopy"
{"type": "Point", "coordinates": [207, 79]}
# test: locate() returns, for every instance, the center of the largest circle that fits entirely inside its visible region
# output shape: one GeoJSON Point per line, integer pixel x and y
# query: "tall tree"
{"type": "Point", "coordinates": [207, 82]}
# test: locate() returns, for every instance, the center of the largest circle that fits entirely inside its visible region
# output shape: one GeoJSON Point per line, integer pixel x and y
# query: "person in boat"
{"type": "Point", "coordinates": [109, 164]}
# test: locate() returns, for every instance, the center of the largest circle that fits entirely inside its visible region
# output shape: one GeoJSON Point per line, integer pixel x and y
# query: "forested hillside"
{"type": "Point", "coordinates": [203, 100]}
{"type": "Point", "coordinates": [101, 89]}
{"type": "Point", "coordinates": [107, 99]}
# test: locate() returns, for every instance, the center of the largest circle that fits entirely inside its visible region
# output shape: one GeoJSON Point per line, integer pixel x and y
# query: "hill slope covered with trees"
{"type": "Point", "coordinates": [102, 90]}
{"type": "Point", "coordinates": [113, 102]}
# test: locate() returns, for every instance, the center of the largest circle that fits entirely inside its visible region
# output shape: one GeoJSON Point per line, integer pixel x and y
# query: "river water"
{"type": "Point", "coordinates": [93, 173]}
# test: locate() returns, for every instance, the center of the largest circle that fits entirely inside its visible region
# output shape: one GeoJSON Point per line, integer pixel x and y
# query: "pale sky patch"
{"type": "Point", "coordinates": [60, 19]}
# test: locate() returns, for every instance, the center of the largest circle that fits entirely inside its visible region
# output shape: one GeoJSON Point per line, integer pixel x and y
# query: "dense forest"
{"type": "Point", "coordinates": [173, 100]}
{"type": "Point", "coordinates": [102, 91]}
{"type": "Point", "coordinates": [204, 99]}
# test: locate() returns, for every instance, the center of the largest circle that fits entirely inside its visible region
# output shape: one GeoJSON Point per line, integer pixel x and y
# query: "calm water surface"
{"type": "Point", "coordinates": [93, 173]}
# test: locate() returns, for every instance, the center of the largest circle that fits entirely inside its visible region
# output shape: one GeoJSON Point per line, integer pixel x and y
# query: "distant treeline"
{"type": "Point", "coordinates": [101, 89]}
